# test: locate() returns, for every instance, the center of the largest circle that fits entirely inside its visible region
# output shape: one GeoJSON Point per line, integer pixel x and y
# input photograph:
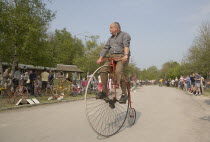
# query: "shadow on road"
{"type": "Point", "coordinates": [207, 102]}
{"type": "Point", "coordinates": [126, 125]}
{"type": "Point", "coordinates": [205, 118]}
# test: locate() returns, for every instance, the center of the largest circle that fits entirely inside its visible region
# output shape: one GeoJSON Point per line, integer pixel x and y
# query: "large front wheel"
{"type": "Point", "coordinates": [106, 116]}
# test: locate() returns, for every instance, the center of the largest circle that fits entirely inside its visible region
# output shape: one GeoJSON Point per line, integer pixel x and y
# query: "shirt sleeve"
{"type": "Point", "coordinates": [105, 49]}
{"type": "Point", "coordinates": [126, 40]}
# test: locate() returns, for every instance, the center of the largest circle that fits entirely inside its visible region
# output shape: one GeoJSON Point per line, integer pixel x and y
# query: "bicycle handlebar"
{"type": "Point", "coordinates": [105, 59]}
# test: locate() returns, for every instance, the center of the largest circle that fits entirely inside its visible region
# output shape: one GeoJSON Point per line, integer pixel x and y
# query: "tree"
{"type": "Point", "coordinates": [63, 48]}
{"type": "Point", "coordinates": [23, 31]}
{"type": "Point", "coordinates": [199, 54]}
{"type": "Point", "coordinates": [132, 70]}
{"type": "Point", "coordinates": [170, 70]}
{"type": "Point", "coordinates": [87, 63]}
{"type": "Point", "coordinates": [151, 73]}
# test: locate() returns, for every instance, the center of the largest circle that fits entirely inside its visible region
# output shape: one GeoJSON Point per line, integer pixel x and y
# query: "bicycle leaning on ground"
{"type": "Point", "coordinates": [107, 116]}
{"type": "Point", "coordinates": [13, 95]}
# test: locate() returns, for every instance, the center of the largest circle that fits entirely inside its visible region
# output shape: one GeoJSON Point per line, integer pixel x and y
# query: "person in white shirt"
{"type": "Point", "coordinates": [44, 78]}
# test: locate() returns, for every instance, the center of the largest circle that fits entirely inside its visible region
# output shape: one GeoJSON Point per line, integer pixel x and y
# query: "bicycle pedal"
{"type": "Point", "coordinates": [106, 100]}
{"type": "Point", "coordinates": [111, 104]}
{"type": "Point", "coordinates": [122, 102]}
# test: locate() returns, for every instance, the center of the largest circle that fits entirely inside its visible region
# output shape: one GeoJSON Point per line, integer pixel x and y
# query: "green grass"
{"type": "Point", "coordinates": [207, 92]}
{"type": "Point", "coordinates": [42, 100]}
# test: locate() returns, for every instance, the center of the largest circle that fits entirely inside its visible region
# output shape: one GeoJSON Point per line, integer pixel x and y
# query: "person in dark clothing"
{"type": "Point", "coordinates": [51, 77]}
{"type": "Point", "coordinates": [192, 79]}
{"type": "Point", "coordinates": [32, 78]}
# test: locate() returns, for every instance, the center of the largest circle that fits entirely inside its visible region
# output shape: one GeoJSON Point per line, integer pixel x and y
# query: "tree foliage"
{"type": "Point", "coordinates": [24, 39]}
{"type": "Point", "coordinates": [151, 73]}
{"type": "Point", "coordinates": [63, 48]}
{"type": "Point", "coordinates": [170, 70]}
{"type": "Point", "coordinates": [198, 56]}
{"type": "Point", "coordinates": [132, 70]}
{"type": "Point", "coordinates": [23, 31]}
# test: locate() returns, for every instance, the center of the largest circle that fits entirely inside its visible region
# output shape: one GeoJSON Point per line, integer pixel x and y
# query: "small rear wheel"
{"type": "Point", "coordinates": [131, 116]}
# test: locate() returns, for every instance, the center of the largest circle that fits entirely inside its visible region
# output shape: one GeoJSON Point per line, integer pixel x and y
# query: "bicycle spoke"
{"type": "Point", "coordinates": [105, 117]}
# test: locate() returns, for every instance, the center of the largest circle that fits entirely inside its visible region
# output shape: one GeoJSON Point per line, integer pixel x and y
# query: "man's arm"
{"type": "Point", "coordinates": [99, 60]}
{"type": "Point", "coordinates": [104, 51]}
{"type": "Point", "coordinates": [126, 43]}
{"type": "Point", "coordinates": [126, 54]}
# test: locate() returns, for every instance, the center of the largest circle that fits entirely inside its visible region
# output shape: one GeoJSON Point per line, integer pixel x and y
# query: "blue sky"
{"type": "Point", "coordinates": [161, 30]}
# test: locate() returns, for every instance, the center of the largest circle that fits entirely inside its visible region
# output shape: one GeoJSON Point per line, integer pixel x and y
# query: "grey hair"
{"type": "Point", "coordinates": [117, 25]}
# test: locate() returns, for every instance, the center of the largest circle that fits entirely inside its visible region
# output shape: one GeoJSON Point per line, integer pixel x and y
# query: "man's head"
{"type": "Point", "coordinates": [115, 28]}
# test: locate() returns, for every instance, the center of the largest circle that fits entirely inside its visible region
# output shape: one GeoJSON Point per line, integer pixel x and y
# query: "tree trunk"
{"type": "Point", "coordinates": [14, 64]}
{"type": "Point", "coordinates": [1, 67]}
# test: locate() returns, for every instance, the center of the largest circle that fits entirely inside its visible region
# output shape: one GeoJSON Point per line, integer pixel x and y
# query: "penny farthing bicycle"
{"type": "Point", "coordinates": [107, 116]}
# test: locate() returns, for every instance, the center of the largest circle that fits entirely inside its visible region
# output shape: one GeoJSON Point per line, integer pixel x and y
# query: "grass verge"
{"type": "Point", "coordinates": [4, 105]}
{"type": "Point", "coordinates": [207, 92]}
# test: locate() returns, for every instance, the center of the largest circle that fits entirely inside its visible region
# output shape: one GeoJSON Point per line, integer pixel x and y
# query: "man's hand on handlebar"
{"type": "Point", "coordinates": [99, 60]}
{"type": "Point", "coordinates": [125, 58]}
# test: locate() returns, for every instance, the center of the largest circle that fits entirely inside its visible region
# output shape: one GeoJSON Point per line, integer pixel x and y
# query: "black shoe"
{"type": "Point", "coordinates": [111, 104]}
{"type": "Point", "coordinates": [100, 95]}
{"type": "Point", "coordinates": [123, 99]}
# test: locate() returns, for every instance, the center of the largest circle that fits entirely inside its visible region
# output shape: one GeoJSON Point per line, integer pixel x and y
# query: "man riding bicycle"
{"type": "Point", "coordinates": [118, 46]}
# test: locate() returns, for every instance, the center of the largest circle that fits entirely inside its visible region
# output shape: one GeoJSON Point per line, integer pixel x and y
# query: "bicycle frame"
{"type": "Point", "coordinates": [98, 109]}
{"type": "Point", "coordinates": [113, 69]}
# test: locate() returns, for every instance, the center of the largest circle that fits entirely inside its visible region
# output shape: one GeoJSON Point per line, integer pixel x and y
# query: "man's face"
{"type": "Point", "coordinates": [113, 29]}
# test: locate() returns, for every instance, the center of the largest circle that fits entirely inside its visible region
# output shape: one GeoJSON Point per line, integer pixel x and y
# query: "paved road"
{"type": "Point", "coordinates": [163, 115]}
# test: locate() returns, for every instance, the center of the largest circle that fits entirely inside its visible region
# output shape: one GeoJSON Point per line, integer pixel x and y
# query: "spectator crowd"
{"type": "Point", "coordinates": [194, 84]}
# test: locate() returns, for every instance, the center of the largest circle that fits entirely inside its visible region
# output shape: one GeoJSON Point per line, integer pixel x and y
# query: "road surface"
{"type": "Point", "coordinates": [163, 115]}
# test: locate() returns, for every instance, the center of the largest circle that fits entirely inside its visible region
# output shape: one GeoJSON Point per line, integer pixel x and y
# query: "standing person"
{"type": "Point", "coordinates": [6, 78]}
{"type": "Point", "coordinates": [99, 84]}
{"type": "Point", "coordinates": [176, 82]}
{"type": "Point", "coordinates": [192, 79]}
{"type": "Point", "coordinates": [60, 75]}
{"type": "Point", "coordinates": [188, 83]}
{"type": "Point", "coordinates": [32, 78]}
{"type": "Point", "coordinates": [172, 82]}
{"type": "Point", "coordinates": [185, 83]}
{"type": "Point", "coordinates": [25, 79]}
{"type": "Point", "coordinates": [202, 84]}
{"type": "Point", "coordinates": [181, 82]}
{"type": "Point", "coordinates": [44, 78]}
{"type": "Point", "coordinates": [118, 46]}
{"type": "Point", "coordinates": [17, 77]}
{"type": "Point", "coordinates": [84, 83]}
{"type": "Point", "coordinates": [168, 83]}
{"type": "Point", "coordinates": [134, 79]}
{"type": "Point", "coordinates": [51, 77]}
{"type": "Point", "coordinates": [6, 73]}
{"type": "Point", "coordinates": [161, 82]}
{"type": "Point", "coordinates": [197, 83]}
{"type": "Point", "coordinates": [110, 82]}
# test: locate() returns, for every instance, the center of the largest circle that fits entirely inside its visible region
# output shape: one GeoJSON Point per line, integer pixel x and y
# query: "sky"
{"type": "Point", "coordinates": [160, 30]}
